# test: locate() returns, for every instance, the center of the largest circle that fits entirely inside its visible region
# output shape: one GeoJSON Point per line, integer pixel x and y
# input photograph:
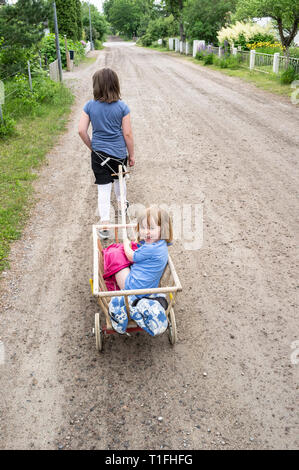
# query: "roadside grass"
{"type": "Point", "coordinates": [266, 81]}
{"type": "Point", "coordinates": [21, 156]}
{"type": "Point", "coordinates": [88, 60]}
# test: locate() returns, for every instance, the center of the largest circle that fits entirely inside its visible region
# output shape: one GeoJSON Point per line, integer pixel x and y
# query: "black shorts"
{"type": "Point", "coordinates": [103, 173]}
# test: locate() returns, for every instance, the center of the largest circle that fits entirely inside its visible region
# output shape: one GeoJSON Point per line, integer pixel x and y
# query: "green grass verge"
{"type": "Point", "coordinates": [20, 157]}
{"type": "Point", "coordinates": [267, 81]}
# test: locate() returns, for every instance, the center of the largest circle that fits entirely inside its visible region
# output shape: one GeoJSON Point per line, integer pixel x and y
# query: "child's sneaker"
{"type": "Point", "coordinates": [104, 234]}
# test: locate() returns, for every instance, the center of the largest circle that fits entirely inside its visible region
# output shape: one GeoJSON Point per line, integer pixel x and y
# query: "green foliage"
{"type": "Point", "coordinates": [288, 76]}
{"type": "Point", "coordinates": [203, 18]}
{"type": "Point", "coordinates": [99, 24]}
{"type": "Point", "coordinates": [208, 59]}
{"type": "Point", "coordinates": [129, 17]}
{"type": "Point", "coordinates": [22, 23]}
{"type": "Point", "coordinates": [7, 127]}
{"type": "Point", "coordinates": [48, 49]}
{"type": "Point", "coordinates": [98, 45]}
{"type": "Point", "coordinates": [285, 14]}
{"type": "Point", "coordinates": [67, 19]}
{"type": "Point", "coordinates": [227, 62]}
{"type": "Point", "coordinates": [79, 19]}
{"type": "Point", "coordinates": [160, 28]}
{"type": "Point", "coordinates": [199, 55]}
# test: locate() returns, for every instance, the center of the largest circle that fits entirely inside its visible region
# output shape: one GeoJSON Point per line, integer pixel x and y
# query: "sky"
{"type": "Point", "coordinates": [98, 4]}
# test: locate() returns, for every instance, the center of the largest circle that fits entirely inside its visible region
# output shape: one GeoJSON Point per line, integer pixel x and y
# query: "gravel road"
{"type": "Point", "coordinates": [203, 140]}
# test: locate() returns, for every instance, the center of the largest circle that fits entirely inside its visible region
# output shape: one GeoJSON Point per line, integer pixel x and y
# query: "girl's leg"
{"type": "Point", "coordinates": [121, 276]}
{"type": "Point", "coordinates": [104, 195]}
{"type": "Point", "coordinates": [150, 315]}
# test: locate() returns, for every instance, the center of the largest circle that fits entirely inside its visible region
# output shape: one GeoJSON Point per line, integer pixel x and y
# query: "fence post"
{"type": "Point", "coordinates": [67, 55]}
{"type": "Point", "coordinates": [170, 44]}
{"type": "Point", "coordinates": [219, 52]}
{"type": "Point", "coordinates": [235, 51]}
{"type": "Point", "coordinates": [252, 59]}
{"type": "Point", "coordinates": [181, 47]}
{"type": "Point", "coordinates": [276, 62]}
{"type": "Point", "coordinates": [187, 48]}
{"type": "Point", "coordinates": [29, 75]}
{"type": "Point", "coordinates": [195, 42]}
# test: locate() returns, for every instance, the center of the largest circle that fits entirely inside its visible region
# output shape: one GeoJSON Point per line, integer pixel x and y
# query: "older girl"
{"type": "Point", "coordinates": [112, 137]}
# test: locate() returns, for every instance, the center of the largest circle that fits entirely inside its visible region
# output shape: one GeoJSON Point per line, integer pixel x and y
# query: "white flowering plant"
{"type": "Point", "coordinates": [242, 34]}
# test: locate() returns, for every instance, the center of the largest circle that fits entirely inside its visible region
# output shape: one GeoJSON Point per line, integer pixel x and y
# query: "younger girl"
{"type": "Point", "coordinates": [155, 232]}
{"type": "Point", "coordinates": [111, 138]}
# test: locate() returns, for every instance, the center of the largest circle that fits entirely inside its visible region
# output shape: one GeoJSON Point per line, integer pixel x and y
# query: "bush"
{"type": "Point", "coordinates": [146, 39]}
{"type": "Point", "coordinates": [7, 127]}
{"type": "Point", "coordinates": [208, 59]}
{"type": "Point", "coordinates": [199, 55]}
{"type": "Point", "coordinates": [98, 45]}
{"type": "Point", "coordinates": [242, 34]}
{"type": "Point", "coordinates": [288, 76]}
{"type": "Point", "coordinates": [48, 49]}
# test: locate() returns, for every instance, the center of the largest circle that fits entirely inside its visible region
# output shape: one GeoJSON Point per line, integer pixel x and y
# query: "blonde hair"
{"type": "Point", "coordinates": [160, 217]}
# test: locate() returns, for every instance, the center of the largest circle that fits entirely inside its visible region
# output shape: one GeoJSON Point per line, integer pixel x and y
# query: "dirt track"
{"type": "Point", "coordinates": [229, 382]}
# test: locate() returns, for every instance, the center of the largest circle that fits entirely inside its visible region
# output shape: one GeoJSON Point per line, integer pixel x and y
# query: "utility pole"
{"type": "Point", "coordinates": [90, 30]}
{"type": "Point", "coordinates": [57, 43]}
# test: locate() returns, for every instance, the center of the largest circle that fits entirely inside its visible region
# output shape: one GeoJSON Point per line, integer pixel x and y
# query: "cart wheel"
{"type": "Point", "coordinates": [172, 327]}
{"type": "Point", "coordinates": [98, 332]}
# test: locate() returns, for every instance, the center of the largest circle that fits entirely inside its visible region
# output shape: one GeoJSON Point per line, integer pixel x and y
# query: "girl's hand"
{"type": "Point", "coordinates": [131, 161]}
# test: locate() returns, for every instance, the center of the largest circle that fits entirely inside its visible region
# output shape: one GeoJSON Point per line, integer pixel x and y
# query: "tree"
{"type": "Point", "coordinates": [203, 18]}
{"type": "Point", "coordinates": [130, 17]}
{"type": "Point", "coordinates": [176, 8]}
{"type": "Point", "coordinates": [98, 22]}
{"type": "Point", "coordinates": [125, 16]}
{"type": "Point", "coordinates": [22, 27]}
{"type": "Point", "coordinates": [79, 19]}
{"type": "Point", "coordinates": [67, 18]}
{"type": "Point", "coordinates": [23, 23]}
{"type": "Point", "coordinates": [285, 14]}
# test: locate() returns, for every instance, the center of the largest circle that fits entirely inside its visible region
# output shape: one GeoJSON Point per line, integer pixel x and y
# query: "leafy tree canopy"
{"type": "Point", "coordinates": [285, 14]}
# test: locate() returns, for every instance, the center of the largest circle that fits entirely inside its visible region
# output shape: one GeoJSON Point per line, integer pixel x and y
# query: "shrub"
{"type": "Point", "coordinates": [288, 76]}
{"type": "Point", "coordinates": [241, 33]}
{"type": "Point", "coordinates": [7, 127]}
{"type": "Point", "coordinates": [199, 55]}
{"type": "Point", "coordinates": [146, 39]}
{"type": "Point", "coordinates": [208, 59]}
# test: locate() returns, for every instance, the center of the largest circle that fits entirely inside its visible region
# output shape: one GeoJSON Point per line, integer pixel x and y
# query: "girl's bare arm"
{"type": "Point", "coordinates": [128, 250]}
{"type": "Point", "coordinates": [83, 128]}
{"type": "Point", "coordinates": [128, 136]}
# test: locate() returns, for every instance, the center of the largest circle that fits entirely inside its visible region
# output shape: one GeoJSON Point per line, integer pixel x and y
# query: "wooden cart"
{"type": "Point", "coordinates": [169, 284]}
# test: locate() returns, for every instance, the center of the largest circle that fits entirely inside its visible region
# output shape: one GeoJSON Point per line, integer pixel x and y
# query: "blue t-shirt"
{"type": "Point", "coordinates": [148, 265]}
{"type": "Point", "coordinates": [106, 120]}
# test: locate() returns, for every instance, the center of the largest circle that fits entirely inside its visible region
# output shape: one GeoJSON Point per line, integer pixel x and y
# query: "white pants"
{"type": "Point", "coordinates": [104, 196]}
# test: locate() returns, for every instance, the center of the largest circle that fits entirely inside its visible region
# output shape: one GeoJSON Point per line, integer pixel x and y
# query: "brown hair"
{"type": "Point", "coordinates": [106, 85]}
{"type": "Point", "coordinates": [160, 218]}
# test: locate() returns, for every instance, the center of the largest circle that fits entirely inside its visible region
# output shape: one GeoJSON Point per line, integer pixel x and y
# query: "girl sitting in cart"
{"type": "Point", "coordinates": [155, 233]}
